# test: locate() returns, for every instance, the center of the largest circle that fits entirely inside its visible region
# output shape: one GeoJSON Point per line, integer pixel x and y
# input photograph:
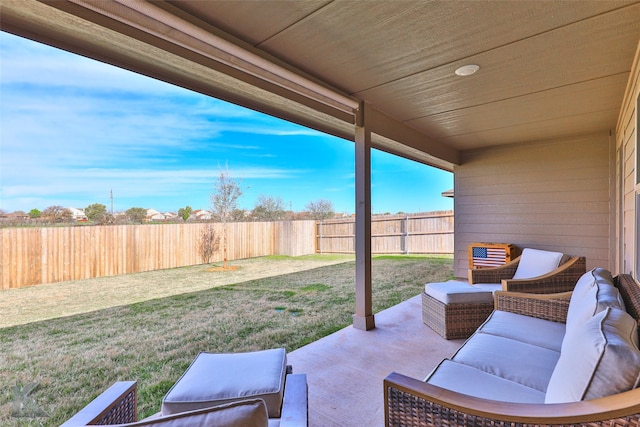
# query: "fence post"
{"type": "Point", "coordinates": [320, 234]}
{"type": "Point", "coordinates": [405, 235]}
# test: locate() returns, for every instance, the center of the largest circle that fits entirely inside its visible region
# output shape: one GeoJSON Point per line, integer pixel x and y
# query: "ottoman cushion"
{"type": "Point", "coordinates": [455, 292]}
{"type": "Point", "coordinates": [214, 379]}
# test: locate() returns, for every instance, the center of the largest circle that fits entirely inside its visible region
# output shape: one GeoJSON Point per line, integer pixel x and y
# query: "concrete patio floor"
{"type": "Point", "coordinates": [345, 370]}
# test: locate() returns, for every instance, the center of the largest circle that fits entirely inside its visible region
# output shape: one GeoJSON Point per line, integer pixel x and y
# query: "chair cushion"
{"type": "Point", "coordinates": [244, 413]}
{"type": "Point", "coordinates": [593, 292]}
{"type": "Point", "coordinates": [526, 329]}
{"type": "Point", "coordinates": [600, 358]}
{"type": "Point", "coordinates": [213, 379]}
{"type": "Point", "coordinates": [534, 263]}
{"type": "Point", "coordinates": [456, 292]}
{"type": "Point", "coordinates": [474, 382]}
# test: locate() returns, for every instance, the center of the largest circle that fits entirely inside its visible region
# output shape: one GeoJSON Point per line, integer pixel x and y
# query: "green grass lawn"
{"type": "Point", "coordinates": [75, 358]}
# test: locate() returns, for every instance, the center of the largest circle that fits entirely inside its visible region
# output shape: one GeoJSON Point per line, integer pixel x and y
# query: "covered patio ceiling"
{"type": "Point", "coordinates": [380, 73]}
{"type": "Point", "coordinates": [548, 69]}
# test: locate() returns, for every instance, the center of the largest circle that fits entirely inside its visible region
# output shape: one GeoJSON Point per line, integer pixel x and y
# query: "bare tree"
{"type": "Point", "coordinates": [208, 242]}
{"type": "Point", "coordinates": [268, 208]}
{"type": "Point", "coordinates": [224, 201]}
{"type": "Point", "coordinates": [136, 215]}
{"type": "Point", "coordinates": [56, 214]}
{"type": "Point", "coordinates": [320, 209]}
{"type": "Point", "coordinates": [96, 212]}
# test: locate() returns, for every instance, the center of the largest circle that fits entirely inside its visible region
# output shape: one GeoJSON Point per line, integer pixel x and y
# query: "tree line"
{"type": "Point", "coordinates": [224, 208]}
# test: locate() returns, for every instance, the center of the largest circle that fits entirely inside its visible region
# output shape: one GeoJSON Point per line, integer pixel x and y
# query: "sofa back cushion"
{"type": "Point", "coordinates": [534, 263]}
{"type": "Point", "coordinates": [599, 358]}
{"type": "Point", "coordinates": [593, 292]}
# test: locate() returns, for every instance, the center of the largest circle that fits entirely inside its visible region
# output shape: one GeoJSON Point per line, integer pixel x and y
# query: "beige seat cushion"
{"type": "Point", "coordinates": [471, 381]}
{"type": "Point", "coordinates": [244, 413]}
{"type": "Point", "coordinates": [456, 292]}
{"type": "Point", "coordinates": [512, 360]}
{"type": "Point", "coordinates": [530, 330]}
{"type": "Point", "coordinates": [214, 379]}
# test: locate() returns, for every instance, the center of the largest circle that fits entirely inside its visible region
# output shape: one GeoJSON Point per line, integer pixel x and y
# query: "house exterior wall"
{"type": "Point", "coordinates": [627, 177]}
{"type": "Point", "coordinates": [553, 195]}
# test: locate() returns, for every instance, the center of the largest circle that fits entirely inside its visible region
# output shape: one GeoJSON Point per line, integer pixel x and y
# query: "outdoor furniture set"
{"type": "Point", "coordinates": [455, 309]}
{"type": "Point", "coordinates": [566, 358]}
{"type": "Point", "coordinates": [255, 389]}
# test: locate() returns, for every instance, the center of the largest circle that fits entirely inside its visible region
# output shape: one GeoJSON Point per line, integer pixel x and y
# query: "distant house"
{"type": "Point", "coordinates": [16, 216]}
{"type": "Point", "coordinates": [78, 214]}
{"type": "Point", "coordinates": [170, 216]}
{"type": "Point", "coordinates": [154, 215]}
{"type": "Point", "coordinates": [201, 215]}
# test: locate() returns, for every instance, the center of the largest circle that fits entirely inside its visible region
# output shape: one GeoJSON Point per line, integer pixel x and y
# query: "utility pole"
{"type": "Point", "coordinates": [111, 191]}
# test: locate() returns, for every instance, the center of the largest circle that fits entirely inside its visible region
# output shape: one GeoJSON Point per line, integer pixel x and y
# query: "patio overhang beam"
{"type": "Point", "coordinates": [390, 133]}
{"type": "Point", "coordinates": [171, 25]}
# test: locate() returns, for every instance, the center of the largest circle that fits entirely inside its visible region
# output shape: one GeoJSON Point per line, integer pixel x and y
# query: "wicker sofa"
{"type": "Point", "coordinates": [536, 361]}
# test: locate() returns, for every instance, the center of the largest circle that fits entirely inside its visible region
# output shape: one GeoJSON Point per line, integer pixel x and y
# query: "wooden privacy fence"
{"type": "Point", "coordinates": [403, 234]}
{"type": "Point", "coordinates": [30, 256]}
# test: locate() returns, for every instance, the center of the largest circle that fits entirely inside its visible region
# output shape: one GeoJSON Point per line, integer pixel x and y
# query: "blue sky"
{"type": "Point", "coordinates": [72, 130]}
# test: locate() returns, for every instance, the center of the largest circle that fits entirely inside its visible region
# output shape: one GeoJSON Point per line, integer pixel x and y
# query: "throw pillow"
{"type": "Point", "coordinates": [593, 292]}
{"type": "Point", "coordinates": [600, 358]}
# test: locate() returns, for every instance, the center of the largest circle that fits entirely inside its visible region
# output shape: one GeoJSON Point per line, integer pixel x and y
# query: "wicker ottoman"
{"type": "Point", "coordinates": [455, 309]}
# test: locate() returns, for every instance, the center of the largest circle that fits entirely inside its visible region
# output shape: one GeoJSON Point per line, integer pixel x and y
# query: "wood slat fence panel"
{"type": "Point", "coordinates": [31, 256]}
{"type": "Point", "coordinates": [430, 233]}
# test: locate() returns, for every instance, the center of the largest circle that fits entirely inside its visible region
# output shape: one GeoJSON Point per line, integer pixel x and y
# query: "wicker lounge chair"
{"type": "Point", "coordinates": [200, 397]}
{"type": "Point", "coordinates": [462, 308]}
{"type": "Point", "coordinates": [559, 280]}
{"type": "Point", "coordinates": [118, 405]}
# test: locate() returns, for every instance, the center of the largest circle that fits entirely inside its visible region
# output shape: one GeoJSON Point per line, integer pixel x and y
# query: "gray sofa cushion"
{"type": "Point", "coordinates": [530, 330]}
{"type": "Point", "coordinates": [215, 378]}
{"type": "Point", "coordinates": [512, 360]}
{"type": "Point", "coordinates": [598, 359]}
{"type": "Point", "coordinates": [474, 382]}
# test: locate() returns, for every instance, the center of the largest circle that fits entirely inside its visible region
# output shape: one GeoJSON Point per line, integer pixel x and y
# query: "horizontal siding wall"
{"type": "Point", "coordinates": [552, 195]}
{"type": "Point", "coordinates": [628, 189]}
{"type": "Point", "coordinates": [30, 256]}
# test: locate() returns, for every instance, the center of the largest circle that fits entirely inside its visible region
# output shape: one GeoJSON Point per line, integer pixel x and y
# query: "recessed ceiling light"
{"type": "Point", "coordinates": [467, 70]}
